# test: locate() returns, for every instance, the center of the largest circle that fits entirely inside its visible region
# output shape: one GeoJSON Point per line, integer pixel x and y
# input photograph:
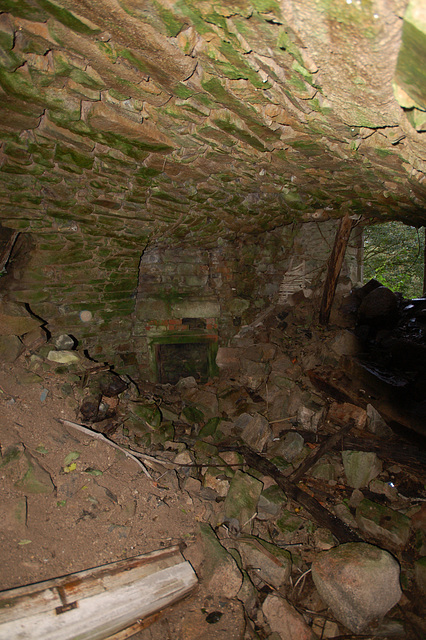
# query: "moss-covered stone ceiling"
{"type": "Point", "coordinates": [199, 120]}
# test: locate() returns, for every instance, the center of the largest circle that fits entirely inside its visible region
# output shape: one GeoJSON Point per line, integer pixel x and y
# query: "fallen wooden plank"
{"type": "Point", "coordinates": [394, 450]}
{"type": "Point", "coordinates": [353, 383]}
{"type": "Point", "coordinates": [97, 603]}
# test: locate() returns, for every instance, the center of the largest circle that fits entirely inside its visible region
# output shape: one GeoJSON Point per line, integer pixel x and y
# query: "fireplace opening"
{"type": "Point", "coordinates": [181, 360]}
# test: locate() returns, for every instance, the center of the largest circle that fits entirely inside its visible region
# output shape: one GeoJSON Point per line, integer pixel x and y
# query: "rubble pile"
{"type": "Point", "coordinates": [308, 508]}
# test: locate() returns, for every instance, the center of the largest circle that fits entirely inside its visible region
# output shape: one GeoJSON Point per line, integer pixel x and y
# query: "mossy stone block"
{"type": "Point", "coordinates": [383, 523]}
{"type": "Point", "coordinates": [209, 428]}
{"type": "Point", "coordinates": [420, 574]}
{"type": "Point", "coordinates": [272, 562]}
{"type": "Point", "coordinates": [219, 568]}
{"type": "Point", "coordinates": [193, 415]}
{"type": "Point", "coordinates": [271, 502]}
{"type": "Point", "coordinates": [150, 414]}
{"type": "Point", "coordinates": [242, 499]}
{"type": "Point", "coordinates": [289, 522]}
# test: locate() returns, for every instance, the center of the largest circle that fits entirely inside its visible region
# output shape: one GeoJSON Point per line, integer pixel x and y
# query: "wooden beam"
{"type": "Point", "coordinates": [334, 266]}
{"type": "Point", "coordinates": [97, 603]}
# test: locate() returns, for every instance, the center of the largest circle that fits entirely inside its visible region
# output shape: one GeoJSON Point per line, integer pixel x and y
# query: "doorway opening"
{"type": "Point", "coordinates": [394, 254]}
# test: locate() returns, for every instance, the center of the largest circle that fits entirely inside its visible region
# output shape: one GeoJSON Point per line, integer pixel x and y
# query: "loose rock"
{"type": "Point", "coordinates": [256, 430]}
{"type": "Point", "coordinates": [266, 561]}
{"type": "Point", "coordinates": [65, 342]}
{"type": "Point", "coordinates": [63, 357]}
{"type": "Point", "coordinates": [285, 620]}
{"type": "Point", "coordinates": [385, 524]}
{"type": "Point", "coordinates": [219, 569]}
{"type": "Point", "coordinates": [358, 581]}
{"type": "Point", "coordinates": [360, 467]}
{"type": "Point", "coordinates": [241, 501]}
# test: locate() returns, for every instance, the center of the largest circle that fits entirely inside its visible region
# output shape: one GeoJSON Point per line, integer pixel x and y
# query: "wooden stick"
{"type": "Point", "coordinates": [334, 267]}
{"type": "Point", "coordinates": [394, 449]}
{"type": "Point", "coordinates": [99, 436]}
{"type": "Point", "coordinates": [320, 451]}
{"type": "Point", "coordinates": [282, 420]}
{"type": "Point", "coordinates": [139, 625]}
{"type": "Point", "coordinates": [322, 516]}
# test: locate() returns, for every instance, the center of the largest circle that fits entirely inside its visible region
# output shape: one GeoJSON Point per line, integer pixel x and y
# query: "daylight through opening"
{"type": "Point", "coordinates": [394, 254]}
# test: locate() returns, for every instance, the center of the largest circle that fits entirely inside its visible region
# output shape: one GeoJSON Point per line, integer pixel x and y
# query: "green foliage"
{"type": "Point", "coordinates": [394, 255]}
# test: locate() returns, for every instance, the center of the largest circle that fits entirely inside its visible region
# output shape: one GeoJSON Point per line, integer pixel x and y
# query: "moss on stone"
{"type": "Point", "coordinates": [134, 59]}
{"type": "Point", "coordinates": [91, 81]}
{"type": "Point", "coordinates": [122, 284]}
{"type": "Point", "coordinates": [238, 67]}
{"type": "Point", "coordinates": [69, 19]}
{"type": "Point", "coordinates": [6, 44]}
{"type": "Point", "coordinates": [172, 24]}
{"type": "Point", "coordinates": [351, 15]}
{"type": "Point", "coordinates": [182, 91]}
{"type": "Point", "coordinates": [267, 6]}
{"type": "Point", "coordinates": [24, 9]}
{"type": "Point", "coordinates": [307, 147]}
{"type": "Point", "coordinates": [285, 42]}
{"type": "Point", "coordinates": [66, 154]}
{"type": "Point", "coordinates": [410, 71]}
{"type": "Point", "coordinates": [191, 10]}
{"type": "Point", "coordinates": [242, 135]}
{"type": "Point", "coordinates": [117, 95]}
{"type": "Point", "coordinates": [192, 414]}
{"type": "Point", "coordinates": [108, 50]}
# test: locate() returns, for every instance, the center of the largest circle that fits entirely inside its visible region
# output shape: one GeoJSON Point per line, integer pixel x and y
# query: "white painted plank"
{"type": "Point", "coordinates": [103, 613]}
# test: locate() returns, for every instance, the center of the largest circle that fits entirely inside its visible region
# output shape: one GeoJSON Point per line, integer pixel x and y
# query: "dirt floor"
{"type": "Point", "coordinates": [70, 501]}
{"type": "Point", "coordinates": [84, 503]}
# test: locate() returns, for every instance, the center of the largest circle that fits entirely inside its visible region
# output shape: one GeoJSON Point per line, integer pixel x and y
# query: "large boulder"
{"type": "Point", "coordinates": [358, 581]}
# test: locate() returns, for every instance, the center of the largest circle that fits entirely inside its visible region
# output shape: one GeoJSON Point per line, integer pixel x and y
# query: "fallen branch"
{"type": "Point", "coordinates": [320, 514]}
{"type": "Point", "coordinates": [283, 420]}
{"type": "Point", "coordinates": [99, 436]}
{"type": "Point", "coordinates": [394, 449]}
{"type": "Point", "coordinates": [320, 451]}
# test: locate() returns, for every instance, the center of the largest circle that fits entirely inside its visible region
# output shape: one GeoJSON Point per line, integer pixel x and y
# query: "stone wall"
{"type": "Point", "coordinates": [127, 134]}
{"type": "Point", "coordinates": [63, 272]}
{"type": "Point", "coordinates": [120, 299]}
{"type": "Point", "coordinates": [192, 295]}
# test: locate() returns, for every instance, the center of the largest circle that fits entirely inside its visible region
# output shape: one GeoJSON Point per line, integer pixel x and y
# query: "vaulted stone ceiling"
{"type": "Point", "coordinates": [200, 120]}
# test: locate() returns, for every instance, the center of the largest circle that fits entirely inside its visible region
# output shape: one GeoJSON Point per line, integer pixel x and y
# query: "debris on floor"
{"type": "Point", "coordinates": [299, 504]}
